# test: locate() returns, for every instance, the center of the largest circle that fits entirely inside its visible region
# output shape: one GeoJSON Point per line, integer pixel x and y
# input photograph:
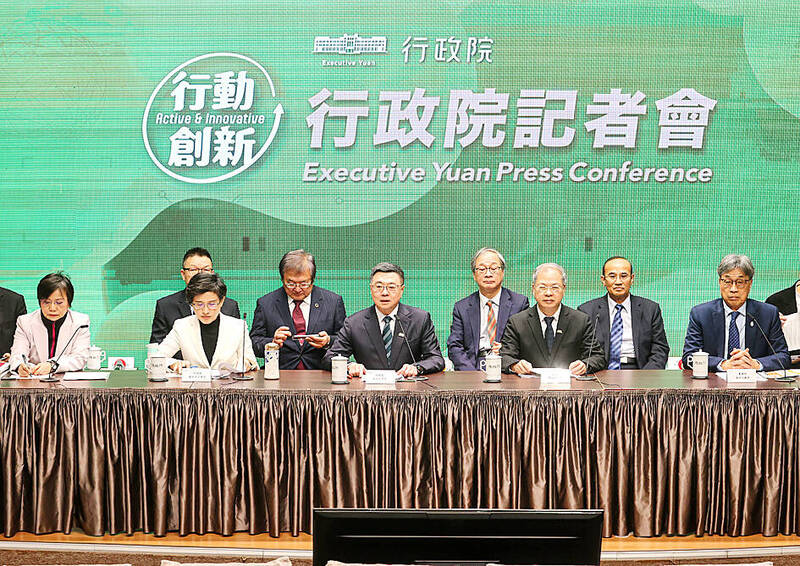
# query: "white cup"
{"type": "Point", "coordinates": [492, 366]}
{"type": "Point", "coordinates": [156, 366]}
{"type": "Point", "coordinates": [698, 362]}
{"type": "Point", "coordinates": [96, 357]}
{"type": "Point", "coordinates": [339, 369]}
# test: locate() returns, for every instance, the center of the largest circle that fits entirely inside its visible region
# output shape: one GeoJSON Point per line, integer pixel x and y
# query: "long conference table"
{"type": "Point", "coordinates": [662, 453]}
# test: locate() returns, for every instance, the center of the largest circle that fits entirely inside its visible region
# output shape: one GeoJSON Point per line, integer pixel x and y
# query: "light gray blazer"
{"type": "Point", "coordinates": [30, 339]}
{"type": "Point", "coordinates": [185, 337]}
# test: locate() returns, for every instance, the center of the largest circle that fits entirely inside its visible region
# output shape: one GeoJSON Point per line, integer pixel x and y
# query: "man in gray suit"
{"type": "Point", "coordinates": [630, 328]}
{"type": "Point", "coordinates": [550, 334]}
{"type": "Point", "coordinates": [388, 335]}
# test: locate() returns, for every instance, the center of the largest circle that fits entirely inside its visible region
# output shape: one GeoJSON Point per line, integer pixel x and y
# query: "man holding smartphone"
{"type": "Point", "coordinates": [299, 317]}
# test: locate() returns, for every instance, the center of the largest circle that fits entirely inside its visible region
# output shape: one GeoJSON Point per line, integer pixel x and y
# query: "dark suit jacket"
{"type": "Point", "coordinates": [465, 330]}
{"type": "Point", "coordinates": [524, 340]}
{"type": "Point", "coordinates": [707, 332]}
{"type": "Point", "coordinates": [174, 306]}
{"type": "Point", "coordinates": [784, 300]}
{"type": "Point", "coordinates": [272, 311]}
{"type": "Point", "coordinates": [12, 305]}
{"type": "Point", "coordinates": [361, 338]}
{"type": "Point", "coordinates": [649, 338]}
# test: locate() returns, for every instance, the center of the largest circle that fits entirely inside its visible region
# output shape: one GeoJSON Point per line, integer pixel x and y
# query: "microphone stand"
{"type": "Point", "coordinates": [587, 376]}
{"type": "Point", "coordinates": [413, 359]}
{"type": "Point", "coordinates": [242, 375]}
{"type": "Point", "coordinates": [786, 377]}
{"type": "Point", "coordinates": [54, 364]}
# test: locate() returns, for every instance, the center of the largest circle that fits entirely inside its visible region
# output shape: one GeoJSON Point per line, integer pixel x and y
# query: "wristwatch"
{"type": "Point", "coordinates": [420, 369]}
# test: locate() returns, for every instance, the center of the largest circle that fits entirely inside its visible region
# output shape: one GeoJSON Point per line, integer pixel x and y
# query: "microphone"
{"type": "Point", "coordinates": [787, 378]}
{"type": "Point", "coordinates": [587, 376]}
{"type": "Point", "coordinates": [54, 364]}
{"type": "Point", "coordinates": [242, 376]}
{"type": "Point", "coordinates": [413, 359]}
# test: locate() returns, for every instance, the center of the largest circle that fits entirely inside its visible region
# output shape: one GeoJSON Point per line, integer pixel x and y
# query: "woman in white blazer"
{"type": "Point", "coordinates": [208, 338]}
{"type": "Point", "coordinates": [43, 339]}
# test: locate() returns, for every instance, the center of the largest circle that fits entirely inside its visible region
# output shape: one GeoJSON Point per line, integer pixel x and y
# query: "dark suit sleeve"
{"type": "Point", "coordinates": [694, 342]}
{"type": "Point", "coordinates": [430, 358]}
{"type": "Point", "coordinates": [341, 345]}
{"type": "Point", "coordinates": [235, 310]}
{"type": "Point", "coordinates": [781, 358]}
{"type": "Point", "coordinates": [659, 346]}
{"type": "Point", "coordinates": [339, 316]}
{"type": "Point", "coordinates": [455, 343]}
{"type": "Point", "coordinates": [510, 347]}
{"type": "Point", "coordinates": [160, 325]}
{"type": "Point", "coordinates": [597, 361]}
{"type": "Point", "coordinates": [258, 332]}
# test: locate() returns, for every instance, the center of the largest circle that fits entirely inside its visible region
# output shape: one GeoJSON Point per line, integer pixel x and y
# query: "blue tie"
{"type": "Point", "coordinates": [616, 339]}
{"type": "Point", "coordinates": [387, 336]}
{"type": "Point", "coordinates": [733, 334]}
{"type": "Point", "coordinates": [549, 335]}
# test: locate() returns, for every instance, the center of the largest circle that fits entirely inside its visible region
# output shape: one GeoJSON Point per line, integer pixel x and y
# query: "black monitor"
{"type": "Point", "coordinates": [457, 536]}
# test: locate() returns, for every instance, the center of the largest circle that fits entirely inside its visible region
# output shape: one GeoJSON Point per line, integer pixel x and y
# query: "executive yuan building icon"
{"type": "Point", "coordinates": [349, 44]}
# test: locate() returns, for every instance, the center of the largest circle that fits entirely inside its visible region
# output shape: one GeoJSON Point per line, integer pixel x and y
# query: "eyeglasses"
{"type": "Point", "coordinates": [380, 287]}
{"type": "Point", "coordinates": [545, 288]}
{"type": "Point", "coordinates": [620, 276]}
{"type": "Point", "coordinates": [728, 283]}
{"type": "Point", "coordinates": [297, 284]}
{"type": "Point", "coordinates": [198, 269]}
{"type": "Point", "coordinates": [210, 304]}
{"type": "Point", "coordinates": [482, 269]}
{"type": "Point", "coordinates": [57, 302]}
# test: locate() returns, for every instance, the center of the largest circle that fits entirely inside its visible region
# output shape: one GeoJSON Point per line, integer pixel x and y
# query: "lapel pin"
{"type": "Point", "coordinates": [559, 332]}
{"type": "Point", "coordinates": [401, 335]}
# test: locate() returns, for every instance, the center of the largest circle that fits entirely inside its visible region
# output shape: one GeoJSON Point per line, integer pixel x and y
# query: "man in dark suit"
{"type": "Point", "coordinates": [633, 337]}
{"type": "Point", "coordinates": [389, 335]}
{"type": "Point", "coordinates": [299, 317]}
{"type": "Point", "coordinates": [480, 319]}
{"type": "Point", "coordinates": [737, 332]}
{"type": "Point", "coordinates": [550, 334]}
{"type": "Point", "coordinates": [12, 305]}
{"type": "Point", "coordinates": [786, 300]}
{"type": "Point", "coordinates": [174, 306]}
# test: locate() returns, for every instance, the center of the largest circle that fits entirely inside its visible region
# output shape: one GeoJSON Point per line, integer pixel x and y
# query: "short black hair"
{"type": "Point", "coordinates": [386, 267]}
{"type": "Point", "coordinates": [298, 260]}
{"type": "Point", "coordinates": [51, 283]}
{"type": "Point", "coordinates": [205, 283]}
{"type": "Point", "coordinates": [612, 258]}
{"type": "Point", "coordinates": [202, 252]}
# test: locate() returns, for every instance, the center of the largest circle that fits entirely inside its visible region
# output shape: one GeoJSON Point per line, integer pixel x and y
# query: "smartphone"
{"type": "Point", "coordinates": [305, 336]}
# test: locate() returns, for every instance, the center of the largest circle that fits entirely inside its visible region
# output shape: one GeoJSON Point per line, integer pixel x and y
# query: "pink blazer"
{"type": "Point", "coordinates": [30, 339]}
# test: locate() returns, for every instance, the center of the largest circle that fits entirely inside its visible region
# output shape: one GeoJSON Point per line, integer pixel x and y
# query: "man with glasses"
{"type": "Point", "coordinates": [737, 332]}
{"type": "Point", "coordinates": [480, 319]}
{"type": "Point", "coordinates": [550, 335]}
{"type": "Point", "coordinates": [299, 317]}
{"type": "Point", "coordinates": [174, 306]}
{"type": "Point", "coordinates": [388, 335]}
{"type": "Point", "coordinates": [630, 328]}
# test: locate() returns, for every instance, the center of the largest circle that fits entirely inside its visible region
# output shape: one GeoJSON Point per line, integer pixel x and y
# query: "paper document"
{"type": "Point", "coordinates": [85, 375]}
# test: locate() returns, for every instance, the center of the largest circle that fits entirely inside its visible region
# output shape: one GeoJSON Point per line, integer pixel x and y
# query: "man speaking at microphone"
{"type": "Point", "coordinates": [737, 332]}
{"type": "Point", "coordinates": [389, 335]}
{"type": "Point", "coordinates": [550, 334]}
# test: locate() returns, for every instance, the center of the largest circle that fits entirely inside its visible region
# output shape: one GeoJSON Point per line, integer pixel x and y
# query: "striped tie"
{"type": "Point", "coordinates": [491, 324]}
{"type": "Point", "coordinates": [387, 336]}
{"type": "Point", "coordinates": [616, 339]}
{"type": "Point", "coordinates": [733, 334]}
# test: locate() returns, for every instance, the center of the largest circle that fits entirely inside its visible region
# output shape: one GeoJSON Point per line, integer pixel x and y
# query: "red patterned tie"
{"type": "Point", "coordinates": [299, 326]}
{"type": "Point", "coordinates": [491, 324]}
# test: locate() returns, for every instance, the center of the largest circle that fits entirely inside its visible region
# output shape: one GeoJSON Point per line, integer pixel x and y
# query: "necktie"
{"type": "Point", "coordinates": [733, 334]}
{"type": "Point", "coordinates": [616, 339]}
{"type": "Point", "coordinates": [299, 326]}
{"type": "Point", "coordinates": [549, 335]}
{"type": "Point", "coordinates": [491, 324]}
{"type": "Point", "coordinates": [387, 336]}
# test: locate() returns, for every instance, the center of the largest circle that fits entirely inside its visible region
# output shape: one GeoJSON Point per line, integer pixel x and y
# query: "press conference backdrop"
{"type": "Point", "coordinates": [413, 132]}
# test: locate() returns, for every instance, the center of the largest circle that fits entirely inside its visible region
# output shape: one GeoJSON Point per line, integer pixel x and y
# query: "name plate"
{"type": "Point", "coordinates": [554, 378]}
{"type": "Point", "coordinates": [741, 376]}
{"type": "Point", "coordinates": [380, 377]}
{"type": "Point", "coordinates": [196, 374]}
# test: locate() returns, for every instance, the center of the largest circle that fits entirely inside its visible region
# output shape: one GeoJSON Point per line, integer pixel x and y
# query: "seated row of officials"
{"type": "Point", "coordinates": [200, 325]}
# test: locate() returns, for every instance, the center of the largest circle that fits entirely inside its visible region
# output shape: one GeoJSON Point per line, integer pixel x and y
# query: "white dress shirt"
{"type": "Point", "coordinates": [305, 308]}
{"type": "Point", "coordinates": [544, 324]}
{"type": "Point", "coordinates": [627, 350]}
{"type": "Point", "coordinates": [484, 342]}
{"type": "Point", "coordinates": [381, 316]}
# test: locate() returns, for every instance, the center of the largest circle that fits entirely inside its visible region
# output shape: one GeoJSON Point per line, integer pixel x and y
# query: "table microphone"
{"type": "Point", "coordinates": [592, 376]}
{"type": "Point", "coordinates": [54, 364]}
{"type": "Point", "coordinates": [787, 378]}
{"type": "Point", "coordinates": [413, 359]}
{"type": "Point", "coordinates": [242, 376]}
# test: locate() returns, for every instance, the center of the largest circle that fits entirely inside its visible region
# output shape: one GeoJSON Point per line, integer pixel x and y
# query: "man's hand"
{"type": "Point", "coordinates": [282, 333]}
{"type": "Point", "coordinates": [577, 368]}
{"type": "Point", "coordinates": [407, 370]}
{"type": "Point", "coordinates": [522, 367]}
{"type": "Point", "coordinates": [178, 366]}
{"type": "Point", "coordinates": [5, 357]}
{"type": "Point", "coordinates": [356, 370]}
{"type": "Point", "coordinates": [319, 340]}
{"type": "Point", "coordinates": [740, 359]}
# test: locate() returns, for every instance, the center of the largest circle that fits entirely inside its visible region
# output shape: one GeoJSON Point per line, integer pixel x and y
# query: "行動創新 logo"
{"type": "Point", "coordinates": [211, 118]}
